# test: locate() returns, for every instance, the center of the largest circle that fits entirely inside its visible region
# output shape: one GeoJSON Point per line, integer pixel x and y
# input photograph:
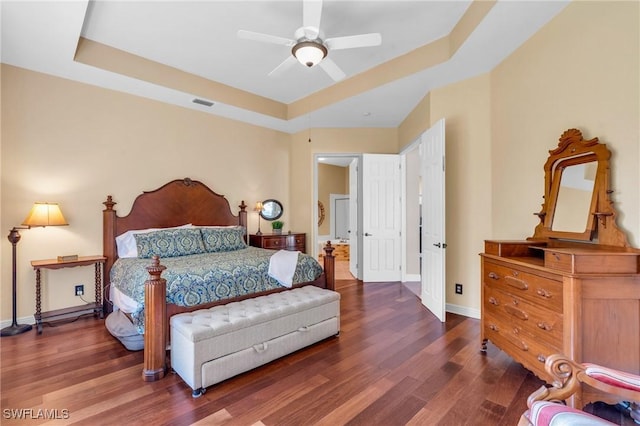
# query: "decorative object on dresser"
{"type": "Point", "coordinates": [186, 207]}
{"type": "Point", "coordinates": [291, 241]}
{"type": "Point", "coordinates": [277, 225]}
{"type": "Point", "coordinates": [574, 286]}
{"type": "Point", "coordinates": [41, 214]}
{"type": "Point", "coordinates": [94, 308]}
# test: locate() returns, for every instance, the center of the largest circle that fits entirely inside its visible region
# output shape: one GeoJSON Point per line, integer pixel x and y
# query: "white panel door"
{"type": "Point", "coordinates": [433, 220]}
{"type": "Point", "coordinates": [353, 217]}
{"type": "Point", "coordinates": [381, 221]}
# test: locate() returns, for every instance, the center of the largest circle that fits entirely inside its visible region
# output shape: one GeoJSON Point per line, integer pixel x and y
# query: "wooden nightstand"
{"type": "Point", "coordinates": [291, 242]}
{"type": "Point", "coordinates": [95, 308]}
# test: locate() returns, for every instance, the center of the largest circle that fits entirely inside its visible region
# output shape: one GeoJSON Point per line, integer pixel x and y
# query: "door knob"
{"type": "Point", "coordinates": [366, 234]}
{"type": "Point", "coordinates": [437, 245]}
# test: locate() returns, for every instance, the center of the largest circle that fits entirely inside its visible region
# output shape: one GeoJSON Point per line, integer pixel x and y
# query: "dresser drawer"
{"type": "Point", "coordinates": [525, 317]}
{"type": "Point", "coordinates": [537, 289]}
{"type": "Point", "coordinates": [522, 348]}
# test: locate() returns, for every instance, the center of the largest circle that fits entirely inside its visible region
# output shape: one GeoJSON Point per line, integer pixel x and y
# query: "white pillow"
{"type": "Point", "coordinates": [126, 243]}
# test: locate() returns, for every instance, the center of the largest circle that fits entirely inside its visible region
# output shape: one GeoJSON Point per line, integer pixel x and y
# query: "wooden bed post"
{"type": "Point", "coordinates": [329, 266]}
{"type": "Point", "coordinates": [155, 323]}
{"type": "Point", "coordinates": [242, 219]}
{"type": "Point", "coordinates": [108, 247]}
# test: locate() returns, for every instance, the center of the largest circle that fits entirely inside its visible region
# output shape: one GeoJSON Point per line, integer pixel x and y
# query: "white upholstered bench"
{"type": "Point", "coordinates": [212, 345]}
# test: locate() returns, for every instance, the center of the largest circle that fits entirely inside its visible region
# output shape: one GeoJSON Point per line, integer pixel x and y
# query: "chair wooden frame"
{"type": "Point", "coordinates": [570, 376]}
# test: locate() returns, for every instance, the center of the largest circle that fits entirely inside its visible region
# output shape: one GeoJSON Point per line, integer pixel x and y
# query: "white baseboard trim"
{"type": "Point", "coordinates": [24, 320]}
{"type": "Point", "coordinates": [463, 310]}
{"type": "Point", "coordinates": [411, 278]}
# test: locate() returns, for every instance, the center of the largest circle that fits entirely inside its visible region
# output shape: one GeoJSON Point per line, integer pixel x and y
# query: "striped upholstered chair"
{"type": "Point", "coordinates": [546, 405]}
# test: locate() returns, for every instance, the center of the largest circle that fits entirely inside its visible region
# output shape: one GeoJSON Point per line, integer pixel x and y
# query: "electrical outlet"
{"type": "Point", "coordinates": [80, 290]}
{"type": "Point", "coordinates": [458, 288]}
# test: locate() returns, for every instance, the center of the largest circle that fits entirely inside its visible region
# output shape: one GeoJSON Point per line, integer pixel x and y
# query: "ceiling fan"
{"type": "Point", "coordinates": [308, 47]}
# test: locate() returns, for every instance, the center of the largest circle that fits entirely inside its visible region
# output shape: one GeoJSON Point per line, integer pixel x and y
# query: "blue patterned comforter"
{"type": "Point", "coordinates": [208, 277]}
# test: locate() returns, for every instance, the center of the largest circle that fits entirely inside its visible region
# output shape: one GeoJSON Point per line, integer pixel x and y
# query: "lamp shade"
{"type": "Point", "coordinates": [45, 214]}
{"type": "Point", "coordinates": [258, 206]}
{"type": "Point", "coordinates": [309, 53]}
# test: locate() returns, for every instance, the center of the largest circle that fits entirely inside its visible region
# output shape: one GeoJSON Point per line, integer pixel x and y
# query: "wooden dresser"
{"type": "Point", "coordinates": [571, 292]}
{"type": "Point", "coordinates": [292, 241]}
{"type": "Point", "coordinates": [581, 302]}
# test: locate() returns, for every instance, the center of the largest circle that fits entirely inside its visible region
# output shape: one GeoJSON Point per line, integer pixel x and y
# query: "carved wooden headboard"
{"type": "Point", "coordinates": [176, 203]}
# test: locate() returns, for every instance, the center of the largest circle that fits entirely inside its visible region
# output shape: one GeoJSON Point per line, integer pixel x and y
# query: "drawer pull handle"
{"type": "Point", "coordinates": [493, 301]}
{"type": "Point", "coordinates": [542, 358]}
{"type": "Point", "coordinates": [544, 326]}
{"type": "Point", "coordinates": [556, 256]}
{"type": "Point", "coordinates": [493, 327]}
{"type": "Point", "coordinates": [260, 347]}
{"type": "Point", "coordinates": [544, 293]}
{"type": "Point", "coordinates": [493, 276]}
{"type": "Point", "coordinates": [518, 313]}
{"type": "Point", "coordinates": [516, 283]}
{"type": "Point", "coordinates": [521, 344]}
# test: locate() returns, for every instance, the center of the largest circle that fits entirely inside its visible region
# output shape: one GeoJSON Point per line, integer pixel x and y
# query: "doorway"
{"type": "Point", "coordinates": [336, 195]}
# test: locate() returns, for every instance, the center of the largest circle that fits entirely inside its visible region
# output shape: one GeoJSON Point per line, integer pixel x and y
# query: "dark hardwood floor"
{"type": "Point", "coordinates": [393, 364]}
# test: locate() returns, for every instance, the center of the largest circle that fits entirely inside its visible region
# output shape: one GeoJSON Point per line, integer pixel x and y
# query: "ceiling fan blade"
{"type": "Point", "coordinates": [284, 65]}
{"type": "Point", "coordinates": [348, 42]}
{"type": "Point", "coordinates": [332, 69]}
{"type": "Point", "coordinates": [311, 15]}
{"type": "Point", "coordinates": [265, 38]}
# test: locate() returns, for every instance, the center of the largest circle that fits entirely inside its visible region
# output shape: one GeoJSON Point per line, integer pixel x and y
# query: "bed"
{"type": "Point", "coordinates": [186, 206]}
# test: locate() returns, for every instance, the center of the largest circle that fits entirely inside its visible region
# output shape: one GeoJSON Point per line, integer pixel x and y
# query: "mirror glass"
{"type": "Point", "coordinates": [573, 202]}
{"type": "Point", "coordinates": [271, 209]}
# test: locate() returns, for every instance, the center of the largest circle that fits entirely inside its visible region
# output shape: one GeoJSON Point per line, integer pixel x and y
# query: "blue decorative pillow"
{"type": "Point", "coordinates": [223, 238]}
{"type": "Point", "coordinates": [169, 243]}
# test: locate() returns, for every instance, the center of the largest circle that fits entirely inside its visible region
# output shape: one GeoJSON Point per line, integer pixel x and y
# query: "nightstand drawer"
{"type": "Point", "coordinates": [292, 242]}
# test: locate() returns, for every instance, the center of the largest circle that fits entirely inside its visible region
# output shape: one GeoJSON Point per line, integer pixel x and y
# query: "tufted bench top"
{"type": "Point", "coordinates": [206, 324]}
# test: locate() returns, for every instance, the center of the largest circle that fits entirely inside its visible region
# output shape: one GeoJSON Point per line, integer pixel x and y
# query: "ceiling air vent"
{"type": "Point", "coordinates": [202, 102]}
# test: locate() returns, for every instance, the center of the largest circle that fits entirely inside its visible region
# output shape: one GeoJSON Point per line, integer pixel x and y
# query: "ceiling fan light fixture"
{"type": "Point", "coordinates": [309, 53]}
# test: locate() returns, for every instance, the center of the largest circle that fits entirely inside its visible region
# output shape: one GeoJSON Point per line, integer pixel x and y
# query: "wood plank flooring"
{"type": "Point", "coordinates": [393, 364]}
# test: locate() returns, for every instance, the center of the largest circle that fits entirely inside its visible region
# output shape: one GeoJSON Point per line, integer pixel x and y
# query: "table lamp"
{"type": "Point", "coordinates": [41, 214]}
{"type": "Point", "coordinates": [259, 210]}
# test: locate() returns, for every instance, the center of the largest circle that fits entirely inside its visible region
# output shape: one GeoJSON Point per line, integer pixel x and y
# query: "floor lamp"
{"type": "Point", "coordinates": [259, 210]}
{"type": "Point", "coordinates": [41, 214]}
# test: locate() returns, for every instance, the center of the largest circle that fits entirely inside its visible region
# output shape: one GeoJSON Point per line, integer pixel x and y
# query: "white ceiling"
{"type": "Point", "coordinates": [200, 38]}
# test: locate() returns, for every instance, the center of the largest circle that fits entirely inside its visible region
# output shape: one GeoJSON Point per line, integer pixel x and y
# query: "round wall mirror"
{"type": "Point", "coordinates": [271, 209]}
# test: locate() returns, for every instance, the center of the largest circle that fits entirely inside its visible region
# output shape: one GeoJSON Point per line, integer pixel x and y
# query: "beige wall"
{"type": "Point", "coordinates": [74, 144]}
{"type": "Point", "coordinates": [500, 127]}
{"type": "Point", "coordinates": [466, 109]}
{"type": "Point", "coordinates": [580, 71]}
{"type": "Point", "coordinates": [331, 180]}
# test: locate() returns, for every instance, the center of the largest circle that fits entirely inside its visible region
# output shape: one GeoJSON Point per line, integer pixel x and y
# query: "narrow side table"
{"type": "Point", "coordinates": [95, 307]}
